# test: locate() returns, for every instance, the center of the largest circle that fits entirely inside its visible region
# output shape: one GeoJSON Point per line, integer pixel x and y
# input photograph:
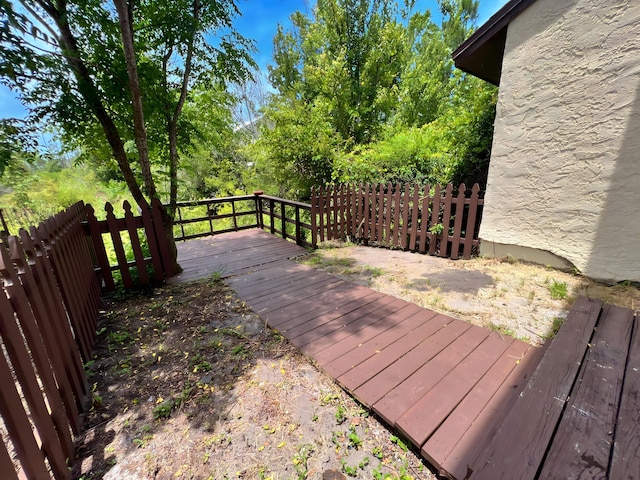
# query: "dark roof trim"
{"type": "Point", "coordinates": [481, 54]}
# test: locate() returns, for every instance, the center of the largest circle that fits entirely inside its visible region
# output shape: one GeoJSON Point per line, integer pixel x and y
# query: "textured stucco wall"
{"type": "Point", "coordinates": [565, 167]}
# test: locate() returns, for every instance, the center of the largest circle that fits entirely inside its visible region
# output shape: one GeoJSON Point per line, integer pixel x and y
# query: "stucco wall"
{"type": "Point", "coordinates": [565, 167]}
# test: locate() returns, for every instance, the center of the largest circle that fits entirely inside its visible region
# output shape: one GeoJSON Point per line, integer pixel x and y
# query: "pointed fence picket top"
{"type": "Point", "coordinates": [149, 258]}
{"type": "Point", "coordinates": [438, 220]}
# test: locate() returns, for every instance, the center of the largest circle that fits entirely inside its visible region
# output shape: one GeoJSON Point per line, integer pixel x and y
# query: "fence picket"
{"type": "Point", "coordinates": [393, 238]}
{"type": "Point", "coordinates": [138, 256]}
{"type": "Point", "coordinates": [6, 465]}
{"type": "Point", "coordinates": [424, 218]}
{"type": "Point", "coordinates": [435, 216]}
{"type": "Point", "coordinates": [457, 224]}
{"type": "Point", "coordinates": [98, 248]}
{"type": "Point", "coordinates": [446, 221]}
{"type": "Point", "coordinates": [470, 231]}
{"type": "Point", "coordinates": [413, 234]}
{"type": "Point", "coordinates": [404, 243]}
{"type": "Point", "coordinates": [367, 214]}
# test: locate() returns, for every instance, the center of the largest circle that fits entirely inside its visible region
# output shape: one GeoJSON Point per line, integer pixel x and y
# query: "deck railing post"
{"type": "Point", "coordinates": [181, 224]}
{"type": "Point", "coordinates": [233, 211]}
{"type": "Point", "coordinates": [271, 216]}
{"type": "Point", "coordinates": [283, 219]}
{"type": "Point", "coordinates": [298, 233]}
{"type": "Point", "coordinates": [259, 219]}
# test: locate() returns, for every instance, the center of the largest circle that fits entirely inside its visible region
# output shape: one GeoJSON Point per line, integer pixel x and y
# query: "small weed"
{"type": "Point", "coordinates": [96, 398]}
{"type": "Point", "coordinates": [329, 398]}
{"type": "Point", "coordinates": [239, 351]}
{"type": "Point", "coordinates": [163, 410]}
{"type": "Point", "coordinates": [502, 329]}
{"type": "Point", "coordinates": [555, 327]}
{"type": "Point", "coordinates": [558, 290]}
{"type": "Point", "coordinates": [349, 470]}
{"type": "Point", "coordinates": [216, 276]}
{"type": "Point", "coordinates": [341, 414]}
{"type": "Point", "coordinates": [301, 459]}
{"type": "Point", "coordinates": [398, 442]}
{"type": "Point", "coordinates": [377, 452]}
{"type": "Point", "coordinates": [354, 440]}
{"type": "Point", "coordinates": [199, 364]}
{"type": "Point", "coordinates": [144, 441]}
{"type": "Point", "coordinates": [118, 338]}
{"type": "Point", "coordinates": [436, 229]}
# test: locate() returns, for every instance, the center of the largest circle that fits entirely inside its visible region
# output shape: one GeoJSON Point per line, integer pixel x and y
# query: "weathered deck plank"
{"type": "Point", "coordinates": [582, 444]}
{"type": "Point", "coordinates": [625, 458]}
{"type": "Point", "coordinates": [521, 442]}
{"type": "Point", "coordinates": [420, 421]}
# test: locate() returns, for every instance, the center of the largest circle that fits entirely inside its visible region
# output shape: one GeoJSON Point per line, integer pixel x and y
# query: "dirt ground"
{"type": "Point", "coordinates": [187, 383]}
{"type": "Point", "coordinates": [522, 300]}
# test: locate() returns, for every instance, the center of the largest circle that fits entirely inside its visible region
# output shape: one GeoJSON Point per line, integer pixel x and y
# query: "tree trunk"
{"type": "Point", "coordinates": [126, 30]}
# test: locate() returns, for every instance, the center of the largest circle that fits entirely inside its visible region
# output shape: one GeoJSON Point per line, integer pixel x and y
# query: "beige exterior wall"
{"type": "Point", "coordinates": [565, 168]}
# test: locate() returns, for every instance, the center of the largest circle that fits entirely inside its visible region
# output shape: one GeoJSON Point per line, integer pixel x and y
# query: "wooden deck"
{"type": "Point", "coordinates": [476, 404]}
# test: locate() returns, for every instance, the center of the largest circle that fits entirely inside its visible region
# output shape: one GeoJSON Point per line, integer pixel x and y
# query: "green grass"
{"type": "Point", "coordinates": [558, 290]}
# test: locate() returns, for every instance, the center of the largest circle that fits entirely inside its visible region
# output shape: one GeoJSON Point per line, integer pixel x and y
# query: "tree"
{"type": "Point", "coordinates": [124, 70]}
{"type": "Point", "coordinates": [380, 82]}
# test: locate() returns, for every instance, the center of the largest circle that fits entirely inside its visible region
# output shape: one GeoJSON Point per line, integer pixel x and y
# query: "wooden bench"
{"type": "Point", "coordinates": [579, 414]}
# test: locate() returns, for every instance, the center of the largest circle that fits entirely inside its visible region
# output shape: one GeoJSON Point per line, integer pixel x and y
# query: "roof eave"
{"type": "Point", "coordinates": [481, 54]}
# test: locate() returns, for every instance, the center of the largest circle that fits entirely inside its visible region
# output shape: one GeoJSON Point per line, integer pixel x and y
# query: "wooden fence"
{"type": "Point", "coordinates": [51, 279]}
{"type": "Point", "coordinates": [147, 241]}
{"type": "Point", "coordinates": [48, 309]}
{"type": "Point", "coordinates": [409, 217]}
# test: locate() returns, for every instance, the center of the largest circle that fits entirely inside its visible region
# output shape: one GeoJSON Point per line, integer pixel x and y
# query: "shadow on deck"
{"type": "Point", "coordinates": [476, 404]}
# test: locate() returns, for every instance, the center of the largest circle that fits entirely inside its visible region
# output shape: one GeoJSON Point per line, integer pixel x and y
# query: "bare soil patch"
{"type": "Point", "coordinates": [514, 298]}
{"type": "Point", "coordinates": [188, 383]}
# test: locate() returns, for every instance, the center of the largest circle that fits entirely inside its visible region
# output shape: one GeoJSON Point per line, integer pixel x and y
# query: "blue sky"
{"type": "Point", "coordinates": [259, 21]}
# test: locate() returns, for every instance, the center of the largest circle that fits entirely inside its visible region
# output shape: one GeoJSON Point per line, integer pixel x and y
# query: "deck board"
{"type": "Point", "coordinates": [469, 424]}
{"type": "Point", "coordinates": [522, 440]}
{"type": "Point", "coordinates": [475, 404]}
{"type": "Point", "coordinates": [420, 421]}
{"type": "Point", "coordinates": [582, 444]}
{"type": "Point", "coordinates": [626, 447]}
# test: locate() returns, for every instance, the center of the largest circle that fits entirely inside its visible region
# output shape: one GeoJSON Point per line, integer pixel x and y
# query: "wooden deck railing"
{"type": "Point", "coordinates": [287, 218]}
{"type": "Point", "coordinates": [409, 217]}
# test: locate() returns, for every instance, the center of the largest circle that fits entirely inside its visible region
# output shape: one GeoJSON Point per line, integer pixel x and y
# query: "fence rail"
{"type": "Point", "coordinates": [229, 214]}
{"type": "Point", "coordinates": [410, 217]}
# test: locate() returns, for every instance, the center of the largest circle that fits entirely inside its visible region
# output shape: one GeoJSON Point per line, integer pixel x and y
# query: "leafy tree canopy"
{"type": "Point", "coordinates": [369, 92]}
{"type": "Point", "coordinates": [115, 76]}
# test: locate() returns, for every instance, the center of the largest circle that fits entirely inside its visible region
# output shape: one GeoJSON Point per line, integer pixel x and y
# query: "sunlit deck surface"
{"type": "Point", "coordinates": [475, 403]}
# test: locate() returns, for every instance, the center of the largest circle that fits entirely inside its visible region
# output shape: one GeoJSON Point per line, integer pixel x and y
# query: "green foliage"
{"type": "Point", "coordinates": [368, 93]}
{"type": "Point", "coordinates": [558, 290]}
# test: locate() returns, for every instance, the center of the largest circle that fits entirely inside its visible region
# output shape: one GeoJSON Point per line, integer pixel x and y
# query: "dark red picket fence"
{"type": "Point", "coordinates": [51, 279]}
{"type": "Point", "coordinates": [419, 218]}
